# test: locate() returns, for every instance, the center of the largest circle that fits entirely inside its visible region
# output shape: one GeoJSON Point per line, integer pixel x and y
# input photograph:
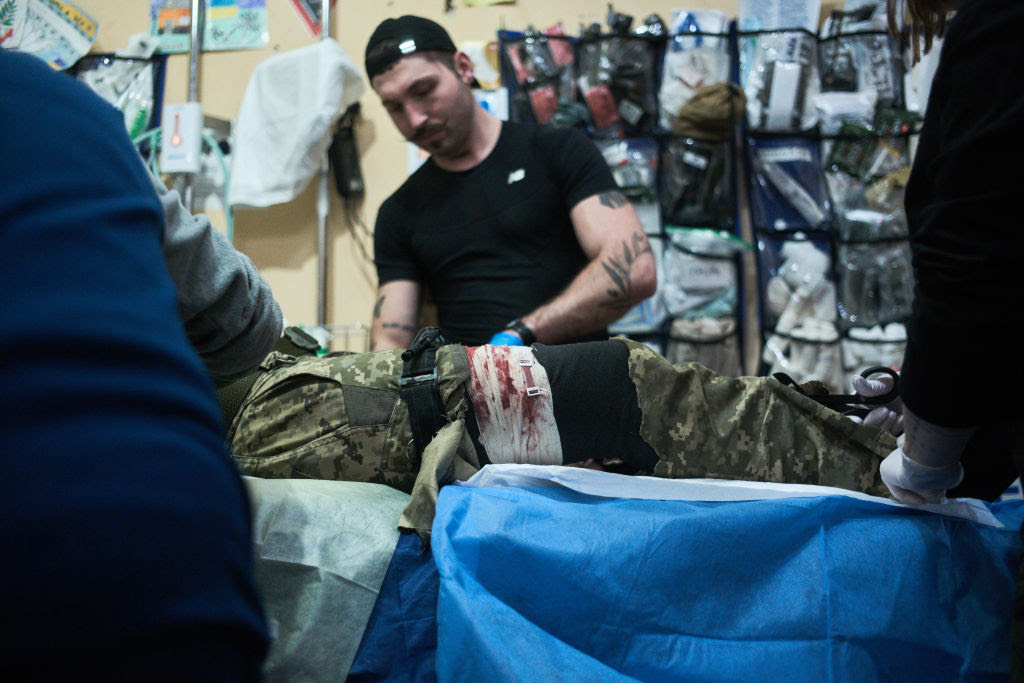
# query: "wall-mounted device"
{"type": "Point", "coordinates": [181, 138]}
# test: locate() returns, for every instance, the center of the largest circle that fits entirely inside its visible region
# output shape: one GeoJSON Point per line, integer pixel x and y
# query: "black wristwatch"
{"type": "Point", "coordinates": [524, 332]}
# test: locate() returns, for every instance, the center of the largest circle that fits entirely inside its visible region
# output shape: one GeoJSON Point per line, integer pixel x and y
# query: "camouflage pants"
{"type": "Point", "coordinates": [704, 425]}
{"type": "Point", "coordinates": [339, 417]}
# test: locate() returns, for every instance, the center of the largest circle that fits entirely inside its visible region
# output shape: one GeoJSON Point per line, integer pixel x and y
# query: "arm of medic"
{"type": "Point", "coordinates": [621, 273]}
{"type": "Point", "coordinates": [926, 462]}
{"type": "Point", "coordinates": [228, 310]}
{"type": "Point", "coordinates": [395, 315]}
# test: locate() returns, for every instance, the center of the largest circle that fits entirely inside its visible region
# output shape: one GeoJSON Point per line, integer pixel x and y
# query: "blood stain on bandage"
{"type": "Point", "coordinates": [478, 396]}
{"type": "Point", "coordinates": [519, 426]}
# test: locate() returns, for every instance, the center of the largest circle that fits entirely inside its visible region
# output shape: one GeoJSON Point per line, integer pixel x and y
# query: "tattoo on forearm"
{"type": "Point", "coordinates": [379, 305]}
{"type": "Point", "coordinates": [613, 199]}
{"type": "Point", "coordinates": [618, 269]}
{"type": "Point", "coordinates": [397, 326]}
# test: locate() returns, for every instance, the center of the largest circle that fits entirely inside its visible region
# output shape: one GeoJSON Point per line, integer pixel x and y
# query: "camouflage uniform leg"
{"type": "Point", "coordinates": [705, 425]}
{"type": "Point", "coordinates": [336, 417]}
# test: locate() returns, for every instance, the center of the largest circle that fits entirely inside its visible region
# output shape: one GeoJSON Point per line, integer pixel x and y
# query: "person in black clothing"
{"type": "Point", "coordinates": [961, 374]}
{"type": "Point", "coordinates": [962, 210]}
{"type": "Point", "coordinates": [518, 231]}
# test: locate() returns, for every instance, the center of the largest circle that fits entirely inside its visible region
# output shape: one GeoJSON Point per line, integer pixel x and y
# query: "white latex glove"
{"type": "Point", "coordinates": [926, 461]}
{"type": "Point", "coordinates": [888, 417]}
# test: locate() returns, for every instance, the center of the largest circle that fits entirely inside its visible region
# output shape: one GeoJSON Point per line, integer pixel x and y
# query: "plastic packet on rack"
{"type": "Point", "coordinates": [857, 53]}
{"type": "Point", "coordinates": [804, 339]}
{"type": "Point", "coordinates": [794, 194]}
{"type": "Point", "coordinates": [560, 47]}
{"type": "Point", "coordinates": [695, 284]}
{"type": "Point", "coordinates": [126, 83]}
{"type": "Point", "coordinates": [835, 108]}
{"type": "Point", "coordinates": [624, 65]}
{"type": "Point", "coordinates": [694, 58]}
{"type": "Point", "coordinates": [876, 282]}
{"type": "Point", "coordinates": [798, 288]}
{"type": "Point", "coordinates": [865, 225]}
{"type": "Point", "coordinates": [695, 183]}
{"type": "Point", "coordinates": [798, 171]}
{"type": "Point", "coordinates": [711, 341]}
{"type": "Point", "coordinates": [770, 15]}
{"type": "Point", "coordinates": [779, 75]}
{"type": "Point", "coordinates": [708, 242]}
{"type": "Point", "coordinates": [701, 276]}
{"type": "Point", "coordinates": [633, 162]}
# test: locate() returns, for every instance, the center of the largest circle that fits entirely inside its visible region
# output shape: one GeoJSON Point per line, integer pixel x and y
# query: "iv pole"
{"type": "Point", "coordinates": [184, 182]}
{"type": "Point", "coordinates": [323, 199]}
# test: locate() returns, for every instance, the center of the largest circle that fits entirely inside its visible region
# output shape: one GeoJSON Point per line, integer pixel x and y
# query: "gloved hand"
{"type": "Point", "coordinates": [506, 339]}
{"type": "Point", "coordinates": [888, 417]}
{"type": "Point", "coordinates": [926, 461]}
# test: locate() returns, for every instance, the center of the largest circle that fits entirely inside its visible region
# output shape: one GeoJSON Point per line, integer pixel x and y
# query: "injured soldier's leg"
{"type": "Point", "coordinates": [614, 402]}
{"type": "Point", "coordinates": [618, 403]}
{"type": "Point", "coordinates": [704, 425]}
{"type": "Point", "coordinates": [336, 417]}
{"type": "Point", "coordinates": [558, 405]}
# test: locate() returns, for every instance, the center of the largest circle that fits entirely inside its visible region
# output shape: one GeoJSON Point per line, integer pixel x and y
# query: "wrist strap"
{"type": "Point", "coordinates": [524, 332]}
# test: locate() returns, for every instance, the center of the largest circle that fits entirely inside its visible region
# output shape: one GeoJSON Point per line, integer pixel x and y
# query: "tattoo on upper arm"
{"type": "Point", "coordinates": [378, 306]}
{"type": "Point", "coordinates": [618, 269]}
{"type": "Point", "coordinates": [613, 199]}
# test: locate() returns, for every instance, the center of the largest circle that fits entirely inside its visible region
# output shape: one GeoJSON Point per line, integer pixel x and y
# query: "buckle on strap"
{"type": "Point", "coordinates": [415, 379]}
{"type": "Point", "coordinates": [531, 385]}
{"type": "Point", "coordinates": [418, 386]}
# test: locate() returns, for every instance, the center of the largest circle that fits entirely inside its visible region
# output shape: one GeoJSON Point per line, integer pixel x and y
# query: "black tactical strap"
{"type": "Point", "coordinates": [231, 395]}
{"type": "Point", "coordinates": [294, 341]}
{"type": "Point", "coordinates": [418, 386]}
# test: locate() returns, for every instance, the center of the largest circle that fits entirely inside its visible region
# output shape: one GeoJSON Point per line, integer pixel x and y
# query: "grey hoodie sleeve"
{"type": "Point", "coordinates": [229, 312]}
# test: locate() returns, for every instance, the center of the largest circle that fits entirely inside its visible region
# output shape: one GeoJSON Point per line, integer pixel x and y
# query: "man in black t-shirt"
{"type": "Point", "coordinates": [518, 231]}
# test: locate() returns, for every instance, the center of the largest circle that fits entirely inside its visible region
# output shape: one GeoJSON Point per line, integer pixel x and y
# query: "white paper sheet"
{"type": "Point", "coordinates": [609, 485]}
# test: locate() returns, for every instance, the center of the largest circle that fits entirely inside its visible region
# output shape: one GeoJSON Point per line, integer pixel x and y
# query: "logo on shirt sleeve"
{"type": "Point", "coordinates": [516, 175]}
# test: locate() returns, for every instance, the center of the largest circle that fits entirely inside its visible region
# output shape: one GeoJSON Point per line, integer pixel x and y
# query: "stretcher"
{"type": "Point", "coordinates": [558, 573]}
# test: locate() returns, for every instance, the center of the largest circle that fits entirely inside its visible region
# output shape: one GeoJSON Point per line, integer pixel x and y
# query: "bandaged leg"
{"type": "Point", "coordinates": [596, 406]}
{"type": "Point", "coordinates": [512, 402]}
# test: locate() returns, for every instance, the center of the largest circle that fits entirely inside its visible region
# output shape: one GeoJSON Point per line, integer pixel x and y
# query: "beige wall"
{"type": "Point", "coordinates": [281, 240]}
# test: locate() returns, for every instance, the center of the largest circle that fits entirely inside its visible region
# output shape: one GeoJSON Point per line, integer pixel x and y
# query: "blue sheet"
{"type": "Point", "coordinates": [401, 637]}
{"type": "Point", "coordinates": [549, 584]}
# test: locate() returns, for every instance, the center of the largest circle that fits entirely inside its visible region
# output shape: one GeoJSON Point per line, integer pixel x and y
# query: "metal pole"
{"type": "Point", "coordinates": [323, 198]}
{"type": "Point", "coordinates": [195, 47]}
{"type": "Point", "coordinates": [184, 182]}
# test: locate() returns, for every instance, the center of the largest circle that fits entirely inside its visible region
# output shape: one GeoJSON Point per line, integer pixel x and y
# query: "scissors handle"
{"type": "Point", "coordinates": [850, 403]}
{"type": "Point", "coordinates": [888, 396]}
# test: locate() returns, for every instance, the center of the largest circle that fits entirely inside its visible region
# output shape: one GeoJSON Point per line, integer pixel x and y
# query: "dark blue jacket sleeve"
{"type": "Point", "coordinates": [125, 524]}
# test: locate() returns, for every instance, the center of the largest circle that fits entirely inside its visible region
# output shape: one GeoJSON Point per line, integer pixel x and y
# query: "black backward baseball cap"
{"type": "Point", "coordinates": [411, 34]}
